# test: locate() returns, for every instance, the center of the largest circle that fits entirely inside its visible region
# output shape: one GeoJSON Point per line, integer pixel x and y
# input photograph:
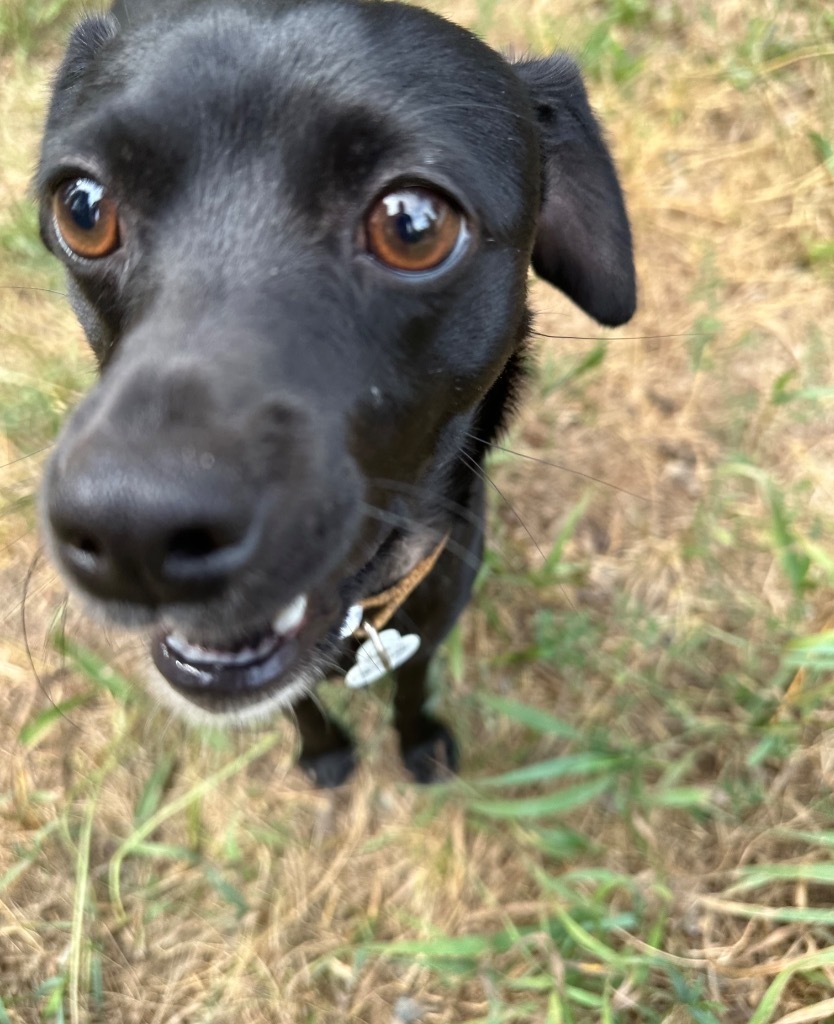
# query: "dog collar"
{"type": "Point", "coordinates": [389, 601]}
{"type": "Point", "coordinates": [384, 650]}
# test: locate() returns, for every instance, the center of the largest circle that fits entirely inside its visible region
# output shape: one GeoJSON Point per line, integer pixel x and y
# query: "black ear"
{"type": "Point", "coordinates": [583, 242]}
{"type": "Point", "coordinates": [85, 42]}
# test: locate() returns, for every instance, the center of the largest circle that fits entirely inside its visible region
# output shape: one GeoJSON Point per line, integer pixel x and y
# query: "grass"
{"type": "Point", "coordinates": [643, 830]}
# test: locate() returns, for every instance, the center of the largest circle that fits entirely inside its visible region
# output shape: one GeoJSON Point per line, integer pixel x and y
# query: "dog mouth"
{"type": "Point", "coordinates": [277, 661]}
{"type": "Point", "coordinates": [247, 670]}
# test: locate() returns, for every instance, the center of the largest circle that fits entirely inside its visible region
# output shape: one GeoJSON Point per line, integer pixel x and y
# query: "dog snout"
{"type": "Point", "coordinates": [163, 491]}
{"type": "Point", "coordinates": [154, 524]}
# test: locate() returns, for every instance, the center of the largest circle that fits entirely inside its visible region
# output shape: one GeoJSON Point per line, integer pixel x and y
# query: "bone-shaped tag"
{"type": "Point", "coordinates": [372, 663]}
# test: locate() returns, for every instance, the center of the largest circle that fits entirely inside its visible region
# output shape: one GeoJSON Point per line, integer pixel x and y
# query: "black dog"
{"type": "Point", "coordinates": [297, 234]}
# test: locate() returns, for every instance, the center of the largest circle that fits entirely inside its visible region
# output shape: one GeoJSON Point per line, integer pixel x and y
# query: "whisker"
{"type": "Point", "coordinates": [40, 553]}
{"type": "Point", "coordinates": [393, 519]}
{"type": "Point", "coordinates": [25, 630]}
{"type": "Point", "coordinates": [169, 721]}
{"type": "Point", "coordinates": [447, 504]}
{"type": "Point", "coordinates": [32, 288]}
{"type": "Point", "coordinates": [29, 593]}
{"type": "Point", "coordinates": [289, 710]}
{"type": "Point", "coordinates": [8, 546]}
{"type": "Point", "coordinates": [487, 479]}
{"type": "Point", "coordinates": [310, 691]}
{"type": "Point", "coordinates": [482, 473]}
{"type": "Point", "coordinates": [28, 455]}
{"type": "Point", "coordinates": [618, 337]}
{"type": "Point", "coordinates": [566, 469]}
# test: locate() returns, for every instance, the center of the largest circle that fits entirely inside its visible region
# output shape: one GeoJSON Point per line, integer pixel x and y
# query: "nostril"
{"type": "Point", "coordinates": [206, 552]}
{"type": "Point", "coordinates": [85, 551]}
{"type": "Point", "coordinates": [195, 542]}
{"type": "Point", "coordinates": [85, 544]}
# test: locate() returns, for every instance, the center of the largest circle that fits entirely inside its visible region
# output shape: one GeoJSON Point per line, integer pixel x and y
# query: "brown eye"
{"type": "Point", "coordinates": [86, 218]}
{"type": "Point", "coordinates": [413, 229]}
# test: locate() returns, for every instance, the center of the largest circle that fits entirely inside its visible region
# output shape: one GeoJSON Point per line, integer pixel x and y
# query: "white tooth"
{"type": "Point", "coordinates": [353, 620]}
{"type": "Point", "coordinates": [291, 616]}
{"type": "Point", "coordinates": [194, 652]}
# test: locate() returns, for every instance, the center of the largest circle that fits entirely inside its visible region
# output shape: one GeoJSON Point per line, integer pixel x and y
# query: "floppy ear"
{"type": "Point", "coordinates": [583, 241]}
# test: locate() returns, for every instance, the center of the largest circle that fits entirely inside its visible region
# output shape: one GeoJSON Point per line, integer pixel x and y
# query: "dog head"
{"type": "Point", "coordinates": [297, 236]}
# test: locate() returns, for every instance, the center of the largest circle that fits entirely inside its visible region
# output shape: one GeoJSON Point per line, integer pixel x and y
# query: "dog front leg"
{"type": "Point", "coordinates": [427, 747]}
{"type": "Point", "coordinates": [327, 756]}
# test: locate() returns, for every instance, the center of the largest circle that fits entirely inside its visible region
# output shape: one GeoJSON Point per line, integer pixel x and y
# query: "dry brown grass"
{"type": "Point", "coordinates": [669, 619]}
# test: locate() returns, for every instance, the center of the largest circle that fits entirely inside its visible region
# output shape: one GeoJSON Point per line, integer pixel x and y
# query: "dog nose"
{"type": "Point", "coordinates": [149, 527]}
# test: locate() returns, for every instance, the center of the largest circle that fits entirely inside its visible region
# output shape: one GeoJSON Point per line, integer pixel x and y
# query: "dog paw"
{"type": "Point", "coordinates": [329, 770]}
{"type": "Point", "coordinates": [434, 758]}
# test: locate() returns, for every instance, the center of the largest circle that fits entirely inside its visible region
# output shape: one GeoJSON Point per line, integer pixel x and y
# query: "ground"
{"type": "Point", "coordinates": [643, 828]}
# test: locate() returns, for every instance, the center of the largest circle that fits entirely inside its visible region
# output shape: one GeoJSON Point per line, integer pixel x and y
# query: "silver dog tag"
{"type": "Point", "coordinates": [381, 654]}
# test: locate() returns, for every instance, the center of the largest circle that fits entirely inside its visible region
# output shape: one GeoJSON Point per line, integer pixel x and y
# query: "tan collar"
{"type": "Point", "coordinates": [389, 601]}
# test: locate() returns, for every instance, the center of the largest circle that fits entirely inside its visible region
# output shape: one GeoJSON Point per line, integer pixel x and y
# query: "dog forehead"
{"type": "Point", "coordinates": [221, 43]}
{"type": "Point", "coordinates": [258, 80]}
{"type": "Point", "coordinates": [355, 51]}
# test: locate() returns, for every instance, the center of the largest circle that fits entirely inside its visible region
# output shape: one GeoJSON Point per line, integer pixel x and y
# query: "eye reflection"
{"type": "Point", "coordinates": [83, 201]}
{"type": "Point", "coordinates": [413, 222]}
{"type": "Point", "coordinates": [413, 229]}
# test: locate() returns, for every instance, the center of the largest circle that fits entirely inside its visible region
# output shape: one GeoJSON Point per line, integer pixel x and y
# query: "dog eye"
{"type": "Point", "coordinates": [413, 229]}
{"type": "Point", "coordinates": [86, 218]}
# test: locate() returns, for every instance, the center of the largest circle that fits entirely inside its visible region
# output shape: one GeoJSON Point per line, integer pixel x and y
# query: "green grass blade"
{"type": "Point", "coordinates": [543, 806]}
{"type": "Point", "coordinates": [685, 798]}
{"type": "Point", "coordinates": [45, 721]}
{"type": "Point", "coordinates": [770, 1002]}
{"type": "Point", "coordinates": [154, 789]}
{"type": "Point", "coordinates": [141, 833]}
{"type": "Point", "coordinates": [583, 938]}
{"type": "Point", "coordinates": [460, 947]}
{"type": "Point", "coordinates": [768, 874]}
{"type": "Point", "coordinates": [538, 721]}
{"type": "Point", "coordinates": [93, 667]}
{"type": "Point", "coordinates": [824, 839]}
{"type": "Point", "coordinates": [77, 931]}
{"type": "Point", "coordinates": [587, 763]}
